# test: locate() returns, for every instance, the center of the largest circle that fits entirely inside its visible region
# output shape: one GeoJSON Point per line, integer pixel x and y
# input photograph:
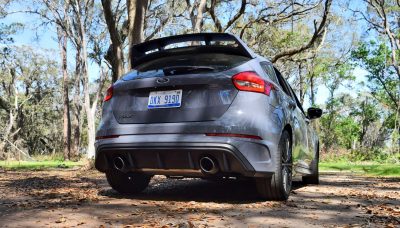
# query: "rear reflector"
{"type": "Point", "coordinates": [234, 135]}
{"type": "Point", "coordinates": [252, 82]}
{"type": "Point", "coordinates": [107, 137]}
{"type": "Point", "coordinates": [109, 93]}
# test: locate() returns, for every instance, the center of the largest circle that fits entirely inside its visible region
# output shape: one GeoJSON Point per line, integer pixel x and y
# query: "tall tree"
{"type": "Point", "coordinates": [75, 18]}
{"type": "Point", "coordinates": [62, 41]}
{"type": "Point", "coordinates": [136, 19]}
{"type": "Point", "coordinates": [29, 83]}
{"type": "Point", "coordinates": [382, 16]}
{"type": "Point", "coordinates": [116, 56]}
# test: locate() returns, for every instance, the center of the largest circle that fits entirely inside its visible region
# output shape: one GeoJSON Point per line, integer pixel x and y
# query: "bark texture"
{"type": "Point", "coordinates": [62, 41]}
{"type": "Point", "coordinates": [117, 56]}
{"type": "Point", "coordinates": [136, 18]}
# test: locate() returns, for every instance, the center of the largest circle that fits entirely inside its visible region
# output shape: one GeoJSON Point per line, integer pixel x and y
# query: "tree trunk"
{"type": "Point", "coordinates": [131, 7]}
{"type": "Point", "coordinates": [13, 93]}
{"type": "Point", "coordinates": [301, 85]}
{"type": "Point", "coordinates": [117, 57]}
{"type": "Point", "coordinates": [7, 131]}
{"type": "Point", "coordinates": [199, 18]}
{"type": "Point", "coordinates": [136, 17]}
{"type": "Point", "coordinates": [62, 41]}
{"type": "Point", "coordinates": [90, 118]}
{"type": "Point", "coordinates": [76, 122]}
{"type": "Point", "coordinates": [312, 90]}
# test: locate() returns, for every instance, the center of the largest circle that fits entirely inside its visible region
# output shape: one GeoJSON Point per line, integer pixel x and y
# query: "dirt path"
{"type": "Point", "coordinates": [67, 198]}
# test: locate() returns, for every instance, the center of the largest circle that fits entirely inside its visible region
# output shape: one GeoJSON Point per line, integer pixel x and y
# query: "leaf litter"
{"type": "Point", "coordinates": [373, 201]}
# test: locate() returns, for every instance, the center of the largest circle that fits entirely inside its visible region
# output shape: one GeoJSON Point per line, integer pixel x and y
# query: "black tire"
{"type": "Point", "coordinates": [278, 186]}
{"type": "Point", "coordinates": [127, 183]}
{"type": "Point", "coordinates": [314, 177]}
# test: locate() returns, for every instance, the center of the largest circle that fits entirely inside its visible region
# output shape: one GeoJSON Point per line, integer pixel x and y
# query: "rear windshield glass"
{"type": "Point", "coordinates": [205, 62]}
{"type": "Point", "coordinates": [185, 64]}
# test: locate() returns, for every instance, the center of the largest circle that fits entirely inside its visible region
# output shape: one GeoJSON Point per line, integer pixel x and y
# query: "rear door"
{"type": "Point", "coordinates": [305, 152]}
{"type": "Point", "coordinates": [300, 150]}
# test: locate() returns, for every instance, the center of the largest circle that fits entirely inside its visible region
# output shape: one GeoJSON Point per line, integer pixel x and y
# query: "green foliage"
{"type": "Point", "coordinates": [7, 30]}
{"type": "Point", "coordinates": [344, 131]}
{"type": "Point", "coordinates": [37, 165]}
{"type": "Point", "coordinates": [383, 80]}
{"type": "Point", "coordinates": [374, 169]}
{"type": "Point", "coordinates": [373, 154]}
{"type": "Point", "coordinates": [30, 91]}
{"type": "Point", "coordinates": [364, 123]}
{"type": "Point", "coordinates": [347, 131]}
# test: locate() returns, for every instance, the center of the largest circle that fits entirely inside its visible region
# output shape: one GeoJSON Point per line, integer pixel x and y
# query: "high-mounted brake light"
{"type": "Point", "coordinates": [252, 82]}
{"type": "Point", "coordinates": [109, 93]}
{"type": "Point", "coordinates": [107, 137]}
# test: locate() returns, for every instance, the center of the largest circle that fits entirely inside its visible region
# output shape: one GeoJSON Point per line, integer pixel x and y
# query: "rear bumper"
{"type": "Point", "coordinates": [168, 156]}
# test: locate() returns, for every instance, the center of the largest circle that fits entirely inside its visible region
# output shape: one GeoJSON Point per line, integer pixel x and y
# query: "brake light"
{"type": "Point", "coordinates": [107, 137]}
{"type": "Point", "coordinates": [234, 135]}
{"type": "Point", "coordinates": [109, 93]}
{"type": "Point", "coordinates": [252, 82]}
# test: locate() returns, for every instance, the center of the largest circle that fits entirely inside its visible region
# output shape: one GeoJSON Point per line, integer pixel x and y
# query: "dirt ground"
{"type": "Point", "coordinates": [74, 198]}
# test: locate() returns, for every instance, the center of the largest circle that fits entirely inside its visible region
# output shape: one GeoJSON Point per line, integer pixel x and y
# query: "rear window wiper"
{"type": "Point", "coordinates": [173, 70]}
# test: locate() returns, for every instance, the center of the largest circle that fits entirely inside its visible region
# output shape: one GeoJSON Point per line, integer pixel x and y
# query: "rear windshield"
{"type": "Point", "coordinates": [206, 61]}
{"type": "Point", "coordinates": [185, 64]}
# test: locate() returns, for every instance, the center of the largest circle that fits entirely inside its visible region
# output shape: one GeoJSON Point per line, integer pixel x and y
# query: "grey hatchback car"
{"type": "Point", "coordinates": [205, 105]}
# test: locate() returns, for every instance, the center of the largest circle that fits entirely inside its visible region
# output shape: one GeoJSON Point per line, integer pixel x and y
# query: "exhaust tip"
{"type": "Point", "coordinates": [208, 165]}
{"type": "Point", "coordinates": [119, 163]}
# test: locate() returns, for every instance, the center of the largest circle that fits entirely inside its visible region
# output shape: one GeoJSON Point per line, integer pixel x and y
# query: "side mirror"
{"type": "Point", "coordinates": [314, 113]}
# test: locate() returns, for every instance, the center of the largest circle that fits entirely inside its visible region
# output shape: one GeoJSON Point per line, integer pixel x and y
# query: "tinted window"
{"type": "Point", "coordinates": [269, 70]}
{"type": "Point", "coordinates": [218, 62]}
{"type": "Point", "coordinates": [282, 83]}
{"type": "Point", "coordinates": [297, 100]}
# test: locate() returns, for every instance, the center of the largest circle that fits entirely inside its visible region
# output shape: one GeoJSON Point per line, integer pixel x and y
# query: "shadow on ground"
{"type": "Point", "coordinates": [225, 191]}
{"type": "Point", "coordinates": [86, 196]}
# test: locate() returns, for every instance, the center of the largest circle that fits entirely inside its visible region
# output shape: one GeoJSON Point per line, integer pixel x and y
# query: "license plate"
{"type": "Point", "coordinates": [165, 99]}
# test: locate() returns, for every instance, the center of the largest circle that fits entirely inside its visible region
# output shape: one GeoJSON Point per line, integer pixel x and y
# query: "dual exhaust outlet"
{"type": "Point", "coordinates": [207, 164]}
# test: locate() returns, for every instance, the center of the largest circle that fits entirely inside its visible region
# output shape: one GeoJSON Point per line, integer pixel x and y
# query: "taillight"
{"type": "Point", "coordinates": [252, 82]}
{"type": "Point", "coordinates": [109, 93]}
{"type": "Point", "coordinates": [234, 135]}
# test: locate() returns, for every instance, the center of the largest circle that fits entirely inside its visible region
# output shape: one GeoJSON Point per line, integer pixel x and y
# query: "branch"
{"type": "Point", "coordinates": [4, 104]}
{"type": "Point", "coordinates": [211, 10]}
{"type": "Point", "coordinates": [159, 28]}
{"type": "Point", "coordinates": [109, 17]}
{"type": "Point", "coordinates": [279, 16]}
{"type": "Point", "coordinates": [318, 30]}
{"type": "Point", "coordinates": [99, 90]}
{"type": "Point", "coordinates": [217, 22]}
{"type": "Point", "coordinates": [375, 25]}
{"type": "Point", "coordinates": [237, 15]}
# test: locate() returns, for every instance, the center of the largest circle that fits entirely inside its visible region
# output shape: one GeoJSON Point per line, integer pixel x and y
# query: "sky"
{"type": "Point", "coordinates": [45, 38]}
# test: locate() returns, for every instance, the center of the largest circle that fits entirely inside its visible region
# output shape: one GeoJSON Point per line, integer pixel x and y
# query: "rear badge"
{"type": "Point", "coordinates": [126, 116]}
{"type": "Point", "coordinates": [162, 80]}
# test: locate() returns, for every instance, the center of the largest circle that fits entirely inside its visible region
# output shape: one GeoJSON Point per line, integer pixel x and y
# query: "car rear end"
{"type": "Point", "coordinates": [197, 111]}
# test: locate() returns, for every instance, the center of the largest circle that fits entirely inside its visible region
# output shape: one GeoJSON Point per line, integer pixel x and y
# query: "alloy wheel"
{"type": "Point", "coordinates": [287, 166]}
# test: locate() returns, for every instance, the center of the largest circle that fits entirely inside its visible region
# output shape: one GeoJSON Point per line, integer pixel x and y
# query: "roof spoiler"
{"type": "Point", "coordinates": [146, 49]}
